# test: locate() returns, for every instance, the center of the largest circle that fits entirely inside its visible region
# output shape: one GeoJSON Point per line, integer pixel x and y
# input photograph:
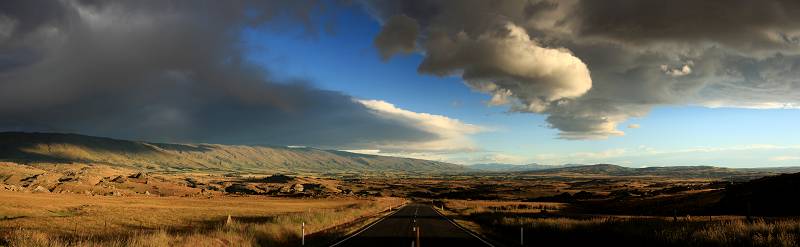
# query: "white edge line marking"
{"type": "Point", "coordinates": [369, 226]}
{"type": "Point", "coordinates": [462, 228]}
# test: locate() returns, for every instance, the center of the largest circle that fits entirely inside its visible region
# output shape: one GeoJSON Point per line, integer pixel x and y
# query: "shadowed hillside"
{"type": "Point", "coordinates": [769, 196]}
{"type": "Point", "coordinates": [60, 148]}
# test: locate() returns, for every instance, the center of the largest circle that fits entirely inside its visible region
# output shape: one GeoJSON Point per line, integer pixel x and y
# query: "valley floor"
{"type": "Point", "coordinates": [88, 204]}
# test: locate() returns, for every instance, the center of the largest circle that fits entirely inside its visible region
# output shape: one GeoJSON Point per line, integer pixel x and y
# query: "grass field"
{"type": "Point", "coordinates": [46, 219]}
{"type": "Point", "coordinates": [502, 221]}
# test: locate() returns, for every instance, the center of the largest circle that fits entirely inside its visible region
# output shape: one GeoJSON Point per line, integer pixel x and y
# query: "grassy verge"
{"type": "Point", "coordinates": [503, 225]}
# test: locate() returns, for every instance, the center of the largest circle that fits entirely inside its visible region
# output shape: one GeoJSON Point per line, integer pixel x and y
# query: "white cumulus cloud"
{"type": "Point", "coordinates": [450, 135]}
{"type": "Point", "coordinates": [507, 64]}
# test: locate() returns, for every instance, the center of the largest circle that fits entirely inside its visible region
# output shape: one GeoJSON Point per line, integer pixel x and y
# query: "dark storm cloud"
{"type": "Point", "coordinates": [399, 35]}
{"type": "Point", "coordinates": [639, 54]}
{"type": "Point", "coordinates": [741, 24]}
{"type": "Point", "coordinates": [169, 71]}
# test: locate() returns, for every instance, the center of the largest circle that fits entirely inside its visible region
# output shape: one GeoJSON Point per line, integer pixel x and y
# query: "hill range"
{"type": "Point", "coordinates": [72, 148]}
{"type": "Point", "coordinates": [500, 167]}
{"type": "Point", "coordinates": [25, 148]}
{"type": "Point", "coordinates": [666, 171]}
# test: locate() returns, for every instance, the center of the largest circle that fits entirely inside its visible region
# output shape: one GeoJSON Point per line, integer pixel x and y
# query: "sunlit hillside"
{"type": "Point", "coordinates": [61, 148]}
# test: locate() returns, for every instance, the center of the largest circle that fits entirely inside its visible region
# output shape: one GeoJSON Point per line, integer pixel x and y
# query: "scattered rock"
{"type": "Point", "coordinates": [191, 182]}
{"type": "Point", "coordinates": [119, 179]}
{"type": "Point", "coordinates": [7, 187]}
{"type": "Point", "coordinates": [147, 192]}
{"type": "Point", "coordinates": [297, 188]}
{"type": "Point", "coordinates": [41, 189]}
{"type": "Point", "coordinates": [213, 187]}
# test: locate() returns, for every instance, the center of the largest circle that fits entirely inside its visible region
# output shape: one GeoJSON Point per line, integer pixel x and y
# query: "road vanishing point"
{"type": "Point", "coordinates": [401, 228]}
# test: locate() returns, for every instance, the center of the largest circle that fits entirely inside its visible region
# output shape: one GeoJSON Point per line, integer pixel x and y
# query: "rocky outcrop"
{"type": "Point", "coordinates": [278, 178]}
{"type": "Point", "coordinates": [240, 188]}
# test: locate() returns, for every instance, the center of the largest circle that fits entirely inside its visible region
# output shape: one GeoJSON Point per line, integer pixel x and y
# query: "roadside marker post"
{"type": "Point", "coordinates": [418, 237]}
{"type": "Point", "coordinates": [521, 234]}
{"type": "Point", "coordinates": [303, 238]}
{"type": "Point", "coordinates": [674, 215]}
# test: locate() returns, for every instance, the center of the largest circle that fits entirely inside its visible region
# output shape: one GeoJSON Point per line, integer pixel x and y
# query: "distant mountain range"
{"type": "Point", "coordinates": [621, 171]}
{"type": "Point", "coordinates": [667, 171]}
{"type": "Point", "coordinates": [499, 167]}
{"type": "Point", "coordinates": [69, 148]}
{"type": "Point", "coordinates": [22, 147]}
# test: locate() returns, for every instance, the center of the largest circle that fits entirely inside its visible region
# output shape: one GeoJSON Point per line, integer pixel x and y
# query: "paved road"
{"type": "Point", "coordinates": [398, 230]}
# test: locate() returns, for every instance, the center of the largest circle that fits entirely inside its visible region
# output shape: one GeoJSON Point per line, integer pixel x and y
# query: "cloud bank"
{"type": "Point", "coordinates": [726, 156]}
{"type": "Point", "coordinates": [591, 65]}
{"type": "Point", "coordinates": [176, 71]}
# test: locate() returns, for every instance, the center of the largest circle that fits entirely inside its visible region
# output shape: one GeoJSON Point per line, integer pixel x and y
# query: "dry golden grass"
{"type": "Point", "coordinates": [503, 220]}
{"type": "Point", "coordinates": [466, 207]}
{"type": "Point", "coordinates": [700, 231]}
{"type": "Point", "coordinates": [30, 219]}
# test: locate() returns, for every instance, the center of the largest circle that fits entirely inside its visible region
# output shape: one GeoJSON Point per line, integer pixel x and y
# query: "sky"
{"type": "Point", "coordinates": [550, 82]}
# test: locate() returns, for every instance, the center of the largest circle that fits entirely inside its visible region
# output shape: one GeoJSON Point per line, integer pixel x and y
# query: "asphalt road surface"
{"type": "Point", "coordinates": [399, 229]}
